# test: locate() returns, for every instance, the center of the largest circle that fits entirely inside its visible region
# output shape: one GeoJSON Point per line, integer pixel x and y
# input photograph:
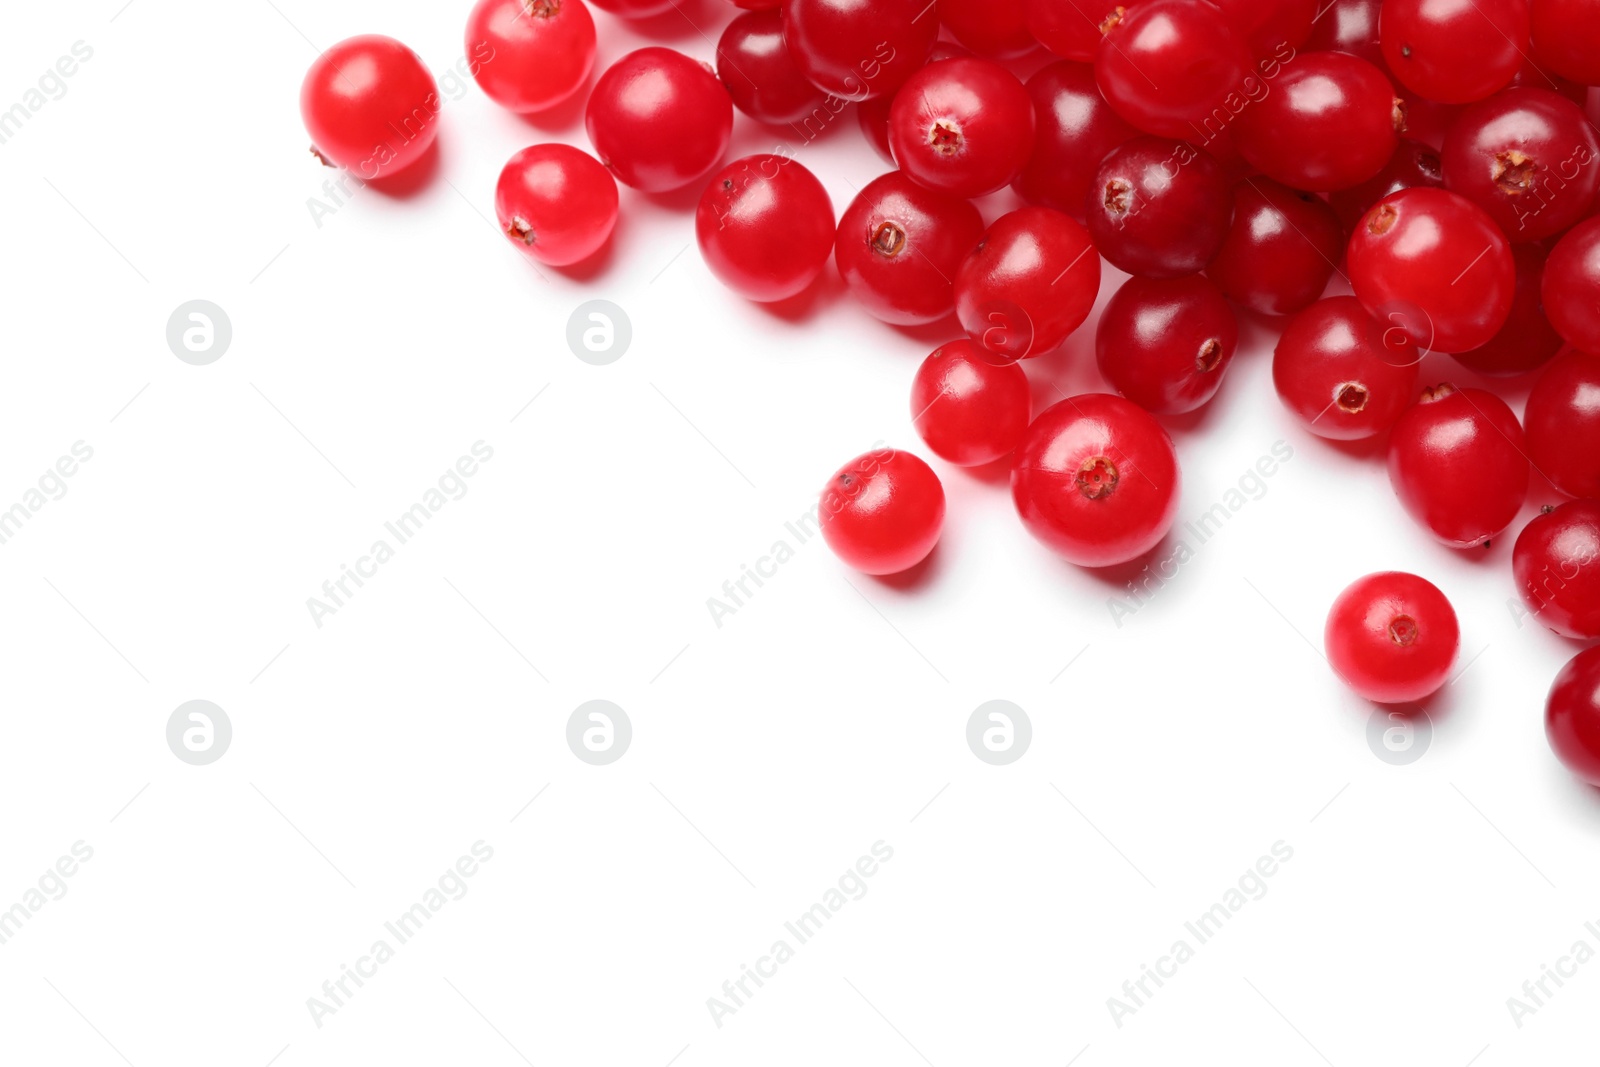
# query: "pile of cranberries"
{"type": "Point", "coordinates": [1226, 155]}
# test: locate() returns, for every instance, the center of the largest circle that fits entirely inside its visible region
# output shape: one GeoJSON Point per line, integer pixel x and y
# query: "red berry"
{"type": "Point", "coordinates": [1330, 122]}
{"type": "Point", "coordinates": [1454, 51]}
{"type": "Point", "coordinates": [556, 203]}
{"type": "Point", "coordinates": [1571, 280]}
{"type": "Point", "coordinates": [1434, 263]}
{"type": "Point", "coordinates": [1529, 157]}
{"type": "Point", "coordinates": [1392, 637]}
{"type": "Point", "coordinates": [997, 29]}
{"type": "Point", "coordinates": [370, 106]}
{"type": "Point", "coordinates": [859, 49]}
{"type": "Point", "coordinates": [1572, 716]}
{"type": "Point", "coordinates": [1557, 564]}
{"type": "Point", "coordinates": [765, 227]}
{"type": "Point", "coordinates": [659, 120]}
{"type": "Point", "coordinates": [1031, 281]}
{"type": "Point", "coordinates": [969, 407]}
{"type": "Point", "coordinates": [1566, 36]}
{"type": "Point", "coordinates": [962, 125]}
{"type": "Point", "coordinates": [1348, 26]}
{"type": "Point", "coordinates": [1074, 131]}
{"type": "Point", "coordinates": [882, 512]}
{"type": "Point", "coordinates": [1159, 208]}
{"type": "Point", "coordinates": [1527, 341]}
{"type": "Point", "coordinates": [1280, 250]}
{"type": "Point", "coordinates": [529, 55]}
{"type": "Point", "coordinates": [1459, 466]}
{"type": "Point", "coordinates": [1071, 28]}
{"type": "Point", "coordinates": [1414, 165]}
{"type": "Point", "coordinates": [760, 74]}
{"type": "Point", "coordinates": [1336, 376]}
{"type": "Point", "coordinates": [899, 245]}
{"type": "Point", "coordinates": [1165, 345]}
{"type": "Point", "coordinates": [1167, 65]}
{"type": "Point", "coordinates": [1563, 417]}
{"type": "Point", "coordinates": [1097, 480]}
{"type": "Point", "coordinates": [1273, 26]}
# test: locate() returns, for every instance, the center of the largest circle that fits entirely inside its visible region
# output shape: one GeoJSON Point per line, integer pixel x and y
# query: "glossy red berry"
{"type": "Point", "coordinates": [1566, 36]}
{"type": "Point", "coordinates": [1571, 282]}
{"type": "Point", "coordinates": [1167, 65]}
{"type": "Point", "coordinates": [1557, 566]}
{"type": "Point", "coordinates": [659, 120]}
{"type": "Point", "coordinates": [1280, 250]}
{"type": "Point", "coordinates": [899, 246]}
{"type": "Point", "coordinates": [1414, 165]}
{"type": "Point", "coordinates": [1071, 28]}
{"type": "Point", "coordinates": [760, 74]}
{"type": "Point", "coordinates": [1329, 122]}
{"type": "Point", "coordinates": [1392, 637]}
{"type": "Point", "coordinates": [996, 29]}
{"type": "Point", "coordinates": [1031, 281]}
{"type": "Point", "coordinates": [370, 106]}
{"type": "Point", "coordinates": [1434, 263]}
{"type": "Point", "coordinates": [1097, 480]}
{"type": "Point", "coordinates": [873, 114]}
{"type": "Point", "coordinates": [556, 203]}
{"type": "Point", "coordinates": [1454, 51]}
{"type": "Point", "coordinates": [1269, 28]}
{"type": "Point", "coordinates": [1159, 208]}
{"type": "Point", "coordinates": [529, 55]}
{"type": "Point", "coordinates": [1572, 716]}
{"type": "Point", "coordinates": [1458, 463]}
{"type": "Point", "coordinates": [1529, 157]}
{"type": "Point", "coordinates": [962, 125]}
{"type": "Point", "coordinates": [1527, 341]}
{"type": "Point", "coordinates": [1348, 26]}
{"type": "Point", "coordinates": [970, 407]}
{"type": "Point", "coordinates": [1166, 344]}
{"type": "Point", "coordinates": [1563, 424]}
{"type": "Point", "coordinates": [1335, 374]}
{"type": "Point", "coordinates": [859, 49]}
{"type": "Point", "coordinates": [765, 227]}
{"type": "Point", "coordinates": [1074, 131]}
{"type": "Point", "coordinates": [882, 512]}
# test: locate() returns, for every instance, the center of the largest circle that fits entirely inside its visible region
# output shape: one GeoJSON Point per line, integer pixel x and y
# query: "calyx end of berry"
{"type": "Point", "coordinates": [1097, 478]}
{"type": "Point", "coordinates": [1434, 394]}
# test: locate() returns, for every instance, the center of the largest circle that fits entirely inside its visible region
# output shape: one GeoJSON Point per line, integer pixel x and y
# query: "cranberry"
{"type": "Point", "coordinates": [1566, 35]}
{"type": "Point", "coordinates": [556, 203]}
{"type": "Point", "coordinates": [659, 120]}
{"type": "Point", "coordinates": [1414, 165]}
{"type": "Point", "coordinates": [1281, 249]}
{"type": "Point", "coordinates": [761, 75]}
{"type": "Point", "coordinates": [539, 52]}
{"type": "Point", "coordinates": [1454, 51]}
{"type": "Point", "coordinates": [1334, 373]}
{"type": "Point", "coordinates": [1329, 122]}
{"type": "Point", "coordinates": [1572, 716]}
{"type": "Point", "coordinates": [1267, 27]}
{"type": "Point", "coordinates": [1071, 28]}
{"type": "Point", "coordinates": [1159, 208]}
{"type": "Point", "coordinates": [1434, 263]}
{"type": "Point", "coordinates": [1166, 344]}
{"type": "Point", "coordinates": [969, 407]}
{"type": "Point", "coordinates": [997, 29]}
{"type": "Point", "coordinates": [1348, 26]}
{"type": "Point", "coordinates": [873, 115]}
{"type": "Point", "coordinates": [859, 49]}
{"type": "Point", "coordinates": [899, 245]}
{"type": "Point", "coordinates": [1031, 281]}
{"type": "Point", "coordinates": [1527, 341]}
{"type": "Point", "coordinates": [882, 512]}
{"type": "Point", "coordinates": [1075, 130]}
{"type": "Point", "coordinates": [370, 106]}
{"type": "Point", "coordinates": [1166, 65]}
{"type": "Point", "coordinates": [962, 125]}
{"type": "Point", "coordinates": [1097, 480]}
{"type": "Point", "coordinates": [1457, 463]}
{"type": "Point", "coordinates": [1571, 282]}
{"type": "Point", "coordinates": [765, 227]}
{"type": "Point", "coordinates": [1557, 564]}
{"type": "Point", "coordinates": [1392, 637]}
{"type": "Point", "coordinates": [1563, 417]}
{"type": "Point", "coordinates": [1529, 157]}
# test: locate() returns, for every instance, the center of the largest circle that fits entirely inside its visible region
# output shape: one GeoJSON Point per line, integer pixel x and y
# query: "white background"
{"type": "Point", "coordinates": [374, 349]}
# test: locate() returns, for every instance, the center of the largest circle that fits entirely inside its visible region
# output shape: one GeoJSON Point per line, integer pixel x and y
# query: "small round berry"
{"type": "Point", "coordinates": [1571, 280]}
{"type": "Point", "coordinates": [1330, 122]}
{"type": "Point", "coordinates": [1167, 65]}
{"type": "Point", "coordinates": [1563, 417]}
{"type": "Point", "coordinates": [1392, 637]}
{"type": "Point", "coordinates": [1279, 28]}
{"type": "Point", "coordinates": [859, 49]}
{"type": "Point", "coordinates": [1159, 208]}
{"type": "Point", "coordinates": [1557, 565]}
{"type": "Point", "coordinates": [1031, 281]}
{"type": "Point", "coordinates": [556, 203]}
{"type": "Point", "coordinates": [529, 55]}
{"type": "Point", "coordinates": [760, 74]}
{"type": "Point", "coordinates": [1572, 716]}
{"type": "Point", "coordinates": [1459, 466]}
{"type": "Point", "coordinates": [1097, 480]}
{"type": "Point", "coordinates": [900, 244]}
{"type": "Point", "coordinates": [1165, 344]}
{"type": "Point", "coordinates": [1074, 131]}
{"type": "Point", "coordinates": [1454, 51]}
{"type": "Point", "coordinates": [962, 125]}
{"type": "Point", "coordinates": [765, 227]}
{"type": "Point", "coordinates": [1070, 28]}
{"type": "Point", "coordinates": [970, 407]}
{"type": "Point", "coordinates": [882, 512]}
{"type": "Point", "coordinates": [1280, 250]}
{"type": "Point", "coordinates": [1414, 165]}
{"type": "Point", "coordinates": [1336, 376]}
{"type": "Point", "coordinates": [997, 29]}
{"type": "Point", "coordinates": [370, 106]}
{"type": "Point", "coordinates": [659, 120]}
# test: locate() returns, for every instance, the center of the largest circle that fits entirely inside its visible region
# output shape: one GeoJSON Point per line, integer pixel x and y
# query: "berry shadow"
{"type": "Point", "coordinates": [564, 117]}
{"type": "Point", "coordinates": [415, 179]}
{"type": "Point", "coordinates": [821, 293]}
{"type": "Point", "coordinates": [917, 577]}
